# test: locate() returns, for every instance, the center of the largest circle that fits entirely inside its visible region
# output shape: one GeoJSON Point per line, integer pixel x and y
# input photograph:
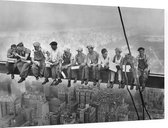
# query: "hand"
{"type": "Point", "coordinates": [118, 67]}
{"type": "Point", "coordinates": [36, 63]}
{"type": "Point", "coordinates": [15, 54]}
{"type": "Point", "coordinates": [83, 64]}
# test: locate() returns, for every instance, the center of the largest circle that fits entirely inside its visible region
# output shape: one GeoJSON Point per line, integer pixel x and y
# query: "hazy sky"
{"type": "Point", "coordinates": [100, 25]}
{"type": "Point", "coordinates": [19, 16]}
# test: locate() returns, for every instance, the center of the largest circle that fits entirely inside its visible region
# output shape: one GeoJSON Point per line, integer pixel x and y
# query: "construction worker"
{"type": "Point", "coordinates": [132, 62]}
{"type": "Point", "coordinates": [118, 60]}
{"type": "Point", "coordinates": [24, 61]}
{"type": "Point", "coordinates": [66, 64]}
{"type": "Point", "coordinates": [53, 64]}
{"type": "Point", "coordinates": [143, 67]}
{"type": "Point", "coordinates": [38, 60]}
{"type": "Point", "coordinates": [80, 60]}
{"type": "Point", "coordinates": [92, 63]}
{"type": "Point", "coordinates": [10, 64]}
{"type": "Point", "coordinates": [103, 64]}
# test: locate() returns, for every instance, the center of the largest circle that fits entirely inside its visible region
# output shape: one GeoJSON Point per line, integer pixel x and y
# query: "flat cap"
{"type": "Point", "coordinates": [141, 48]}
{"type": "Point", "coordinates": [20, 44]}
{"type": "Point", "coordinates": [90, 46]}
{"type": "Point", "coordinates": [13, 45]}
{"type": "Point", "coordinates": [79, 49]}
{"type": "Point", "coordinates": [53, 43]}
{"type": "Point", "coordinates": [36, 44]}
{"type": "Point", "coordinates": [67, 49]}
{"type": "Point", "coordinates": [118, 49]}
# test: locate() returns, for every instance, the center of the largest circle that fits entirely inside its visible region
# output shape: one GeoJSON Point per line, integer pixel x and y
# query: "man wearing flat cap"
{"type": "Point", "coordinates": [24, 61]}
{"type": "Point", "coordinates": [38, 60]}
{"type": "Point", "coordinates": [143, 67]}
{"type": "Point", "coordinates": [53, 64]}
{"type": "Point", "coordinates": [80, 60]}
{"type": "Point", "coordinates": [10, 64]}
{"type": "Point", "coordinates": [118, 60]}
{"type": "Point", "coordinates": [66, 64]}
{"type": "Point", "coordinates": [92, 63]}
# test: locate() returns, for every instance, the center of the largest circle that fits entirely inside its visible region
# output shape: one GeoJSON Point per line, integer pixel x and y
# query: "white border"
{"type": "Point", "coordinates": [160, 4]}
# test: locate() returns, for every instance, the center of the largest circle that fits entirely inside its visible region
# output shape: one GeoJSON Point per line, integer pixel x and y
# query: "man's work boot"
{"type": "Point", "coordinates": [45, 81]}
{"type": "Point", "coordinates": [122, 84]}
{"type": "Point", "coordinates": [59, 81]}
{"type": "Point", "coordinates": [82, 82]}
{"type": "Point", "coordinates": [86, 82]}
{"type": "Point", "coordinates": [119, 85]}
{"type": "Point", "coordinates": [108, 84]}
{"type": "Point", "coordinates": [12, 76]}
{"type": "Point", "coordinates": [69, 83]}
{"type": "Point", "coordinates": [37, 77]}
{"type": "Point", "coordinates": [94, 83]}
{"type": "Point", "coordinates": [8, 73]}
{"type": "Point", "coordinates": [75, 80]}
{"type": "Point", "coordinates": [132, 87]}
{"type": "Point", "coordinates": [21, 80]}
{"type": "Point", "coordinates": [137, 87]}
{"type": "Point", "coordinates": [56, 82]}
{"type": "Point", "coordinates": [111, 84]}
{"type": "Point", "coordinates": [143, 87]}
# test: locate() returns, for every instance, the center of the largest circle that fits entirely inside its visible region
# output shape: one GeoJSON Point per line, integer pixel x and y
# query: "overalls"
{"type": "Point", "coordinates": [143, 75]}
{"type": "Point", "coordinates": [38, 69]}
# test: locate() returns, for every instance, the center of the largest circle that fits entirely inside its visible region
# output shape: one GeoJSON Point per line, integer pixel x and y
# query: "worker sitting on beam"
{"type": "Point", "coordinates": [143, 67]}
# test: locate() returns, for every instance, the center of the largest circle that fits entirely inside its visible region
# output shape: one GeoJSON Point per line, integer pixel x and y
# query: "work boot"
{"type": "Point", "coordinates": [56, 82]}
{"type": "Point", "coordinates": [119, 85]}
{"type": "Point", "coordinates": [82, 82]}
{"type": "Point", "coordinates": [37, 77]}
{"type": "Point", "coordinates": [143, 87]}
{"type": "Point", "coordinates": [122, 84]}
{"type": "Point", "coordinates": [69, 83]}
{"type": "Point", "coordinates": [12, 76]}
{"type": "Point", "coordinates": [8, 73]}
{"type": "Point", "coordinates": [94, 83]}
{"type": "Point", "coordinates": [86, 82]}
{"type": "Point", "coordinates": [137, 87]}
{"type": "Point", "coordinates": [45, 81]}
{"type": "Point", "coordinates": [111, 84]}
{"type": "Point", "coordinates": [75, 80]}
{"type": "Point", "coordinates": [21, 80]}
{"type": "Point", "coordinates": [132, 87]}
{"type": "Point", "coordinates": [59, 81]}
{"type": "Point", "coordinates": [108, 84]}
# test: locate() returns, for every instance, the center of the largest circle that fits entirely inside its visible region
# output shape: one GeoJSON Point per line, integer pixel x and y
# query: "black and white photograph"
{"type": "Point", "coordinates": [63, 64]}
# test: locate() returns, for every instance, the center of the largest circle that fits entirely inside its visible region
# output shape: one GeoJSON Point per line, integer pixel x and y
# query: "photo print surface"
{"type": "Point", "coordinates": [71, 64]}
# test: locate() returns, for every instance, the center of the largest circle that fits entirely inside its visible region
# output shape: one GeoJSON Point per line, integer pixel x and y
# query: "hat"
{"type": "Point", "coordinates": [141, 48]}
{"type": "Point", "coordinates": [53, 43]}
{"type": "Point", "coordinates": [20, 44]}
{"type": "Point", "coordinates": [103, 50]}
{"type": "Point", "coordinates": [79, 49]}
{"type": "Point", "coordinates": [36, 44]}
{"type": "Point", "coordinates": [118, 49]}
{"type": "Point", "coordinates": [13, 45]}
{"type": "Point", "coordinates": [67, 49]}
{"type": "Point", "coordinates": [90, 46]}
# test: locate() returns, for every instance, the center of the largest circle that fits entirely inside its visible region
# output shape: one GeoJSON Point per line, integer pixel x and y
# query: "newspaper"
{"type": "Point", "coordinates": [11, 60]}
{"type": "Point", "coordinates": [75, 67]}
{"type": "Point", "coordinates": [112, 67]}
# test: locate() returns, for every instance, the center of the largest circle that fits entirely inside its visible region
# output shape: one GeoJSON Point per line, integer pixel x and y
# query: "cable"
{"type": "Point", "coordinates": [131, 94]}
{"type": "Point", "coordinates": [125, 35]}
{"type": "Point", "coordinates": [141, 96]}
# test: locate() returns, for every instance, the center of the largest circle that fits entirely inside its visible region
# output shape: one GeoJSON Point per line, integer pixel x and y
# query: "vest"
{"type": "Point", "coordinates": [39, 56]}
{"type": "Point", "coordinates": [23, 53]}
{"type": "Point", "coordinates": [66, 59]}
{"type": "Point", "coordinates": [142, 63]}
{"type": "Point", "coordinates": [117, 61]}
